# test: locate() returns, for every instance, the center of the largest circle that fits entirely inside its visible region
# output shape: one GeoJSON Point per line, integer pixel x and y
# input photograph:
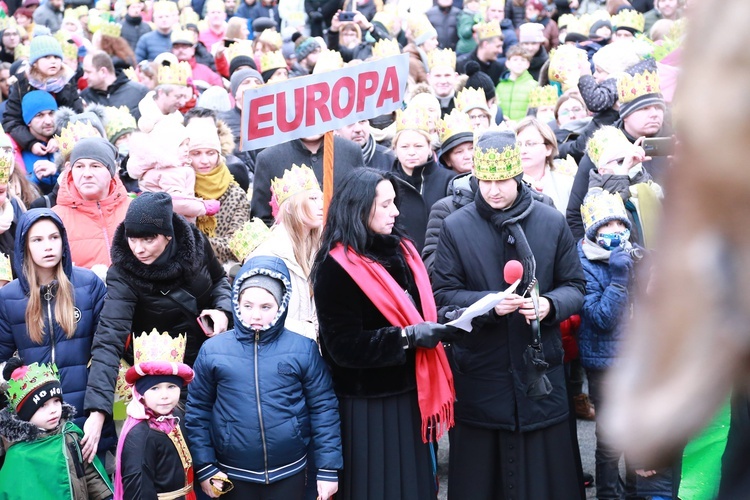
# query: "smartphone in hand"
{"type": "Point", "coordinates": [206, 324]}
{"type": "Point", "coordinates": [346, 16]}
{"type": "Point", "coordinates": [658, 146]}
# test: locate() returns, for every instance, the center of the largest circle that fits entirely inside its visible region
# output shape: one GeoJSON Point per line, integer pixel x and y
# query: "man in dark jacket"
{"type": "Point", "coordinates": [512, 434]}
{"type": "Point", "coordinates": [489, 48]}
{"type": "Point", "coordinates": [374, 155]}
{"type": "Point", "coordinates": [108, 87]}
{"type": "Point", "coordinates": [273, 161]}
{"type": "Point", "coordinates": [155, 42]}
{"type": "Point", "coordinates": [133, 26]}
{"type": "Point", "coordinates": [444, 18]}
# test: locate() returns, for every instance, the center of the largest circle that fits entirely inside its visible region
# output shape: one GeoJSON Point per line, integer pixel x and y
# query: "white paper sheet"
{"type": "Point", "coordinates": [481, 306]}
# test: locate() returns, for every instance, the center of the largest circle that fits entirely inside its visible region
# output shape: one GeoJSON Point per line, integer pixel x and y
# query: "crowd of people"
{"type": "Point", "coordinates": [267, 344]}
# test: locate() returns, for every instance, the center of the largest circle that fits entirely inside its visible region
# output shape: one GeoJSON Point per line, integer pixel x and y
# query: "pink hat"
{"type": "Point", "coordinates": [531, 33]}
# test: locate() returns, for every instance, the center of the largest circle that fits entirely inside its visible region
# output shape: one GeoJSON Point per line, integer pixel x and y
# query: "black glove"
{"type": "Point", "coordinates": [315, 16]}
{"type": "Point", "coordinates": [428, 334]}
{"type": "Point", "coordinates": [620, 265]}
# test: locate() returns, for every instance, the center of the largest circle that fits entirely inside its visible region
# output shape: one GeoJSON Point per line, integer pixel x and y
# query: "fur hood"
{"type": "Point", "coordinates": [15, 430]}
{"type": "Point", "coordinates": [226, 138]}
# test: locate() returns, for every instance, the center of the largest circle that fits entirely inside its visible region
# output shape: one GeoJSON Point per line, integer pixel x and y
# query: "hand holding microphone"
{"type": "Point", "coordinates": [512, 272]}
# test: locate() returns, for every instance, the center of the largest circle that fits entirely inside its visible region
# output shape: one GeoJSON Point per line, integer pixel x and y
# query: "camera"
{"type": "Point", "coordinates": [636, 252]}
{"type": "Point", "coordinates": [346, 16]}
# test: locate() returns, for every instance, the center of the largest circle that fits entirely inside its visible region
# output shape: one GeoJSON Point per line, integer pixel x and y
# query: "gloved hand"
{"type": "Point", "coordinates": [620, 265]}
{"type": "Point", "coordinates": [212, 206]}
{"type": "Point", "coordinates": [428, 334]}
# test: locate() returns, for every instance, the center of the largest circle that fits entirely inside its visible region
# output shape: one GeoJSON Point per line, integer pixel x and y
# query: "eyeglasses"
{"type": "Point", "coordinates": [528, 144]}
{"type": "Point", "coordinates": [566, 112]}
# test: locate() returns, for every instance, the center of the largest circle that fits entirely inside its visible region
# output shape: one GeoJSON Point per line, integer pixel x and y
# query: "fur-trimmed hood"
{"type": "Point", "coordinates": [15, 430]}
{"type": "Point", "coordinates": [226, 138]}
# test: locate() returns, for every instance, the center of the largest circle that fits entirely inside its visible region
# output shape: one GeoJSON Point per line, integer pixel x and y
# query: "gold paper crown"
{"type": "Point", "coordinates": [131, 74]}
{"type": "Point", "coordinates": [239, 48]}
{"type": "Point", "coordinates": [271, 37]}
{"type": "Point", "coordinates": [328, 60]}
{"type": "Point", "coordinates": [103, 5]}
{"type": "Point", "coordinates": [493, 165]}
{"type": "Point", "coordinates": [118, 121]}
{"type": "Point", "coordinates": [471, 98]}
{"type": "Point", "coordinates": [488, 30]}
{"type": "Point", "coordinates": [543, 96]}
{"type": "Point", "coordinates": [600, 205]}
{"type": "Point", "coordinates": [171, 74]}
{"type": "Point", "coordinates": [69, 14]}
{"type": "Point", "coordinates": [414, 118]}
{"type": "Point", "coordinates": [419, 26]}
{"type": "Point", "coordinates": [630, 88]}
{"type": "Point", "coordinates": [180, 35]}
{"type": "Point", "coordinates": [155, 346]}
{"type": "Point", "coordinates": [605, 137]}
{"type": "Point", "coordinates": [6, 22]}
{"type": "Point", "coordinates": [566, 166]}
{"type": "Point", "coordinates": [111, 29]}
{"type": "Point", "coordinates": [272, 60]}
{"type": "Point", "coordinates": [564, 64]}
{"type": "Point", "coordinates": [246, 240]}
{"type": "Point", "coordinates": [189, 16]}
{"type": "Point", "coordinates": [441, 58]}
{"type": "Point", "coordinates": [81, 10]}
{"type": "Point", "coordinates": [565, 20]}
{"type": "Point", "coordinates": [579, 26]}
{"type": "Point", "coordinates": [385, 48]}
{"type": "Point", "coordinates": [7, 160]}
{"type": "Point", "coordinates": [455, 122]}
{"type": "Point", "coordinates": [70, 51]}
{"type": "Point", "coordinates": [33, 377]}
{"type": "Point", "coordinates": [5, 270]}
{"type": "Point", "coordinates": [295, 180]}
{"type": "Point", "coordinates": [629, 19]}
{"type": "Point", "coordinates": [21, 52]}
{"type": "Point", "coordinates": [164, 7]}
{"type": "Point", "coordinates": [95, 23]}
{"type": "Point", "coordinates": [386, 19]}
{"type": "Point", "coordinates": [72, 133]}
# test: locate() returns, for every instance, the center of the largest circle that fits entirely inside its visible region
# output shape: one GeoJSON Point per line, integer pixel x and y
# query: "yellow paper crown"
{"type": "Point", "coordinates": [131, 74]}
{"type": "Point", "coordinates": [72, 133]}
{"type": "Point", "coordinates": [543, 96]}
{"type": "Point", "coordinates": [328, 60]}
{"type": "Point", "coordinates": [155, 346]}
{"type": "Point", "coordinates": [7, 160]}
{"type": "Point", "coordinates": [111, 29]}
{"type": "Point", "coordinates": [239, 48]}
{"type": "Point", "coordinates": [295, 180]}
{"type": "Point", "coordinates": [629, 19]}
{"type": "Point", "coordinates": [118, 121]}
{"type": "Point", "coordinates": [70, 14]}
{"type": "Point", "coordinates": [630, 88]}
{"type": "Point", "coordinates": [579, 26]}
{"type": "Point", "coordinates": [164, 7]}
{"type": "Point", "coordinates": [103, 5]}
{"type": "Point", "coordinates": [246, 240]}
{"type": "Point", "coordinates": [491, 164]}
{"type": "Point", "coordinates": [70, 51]}
{"type": "Point", "coordinates": [385, 48]}
{"type": "Point", "coordinates": [21, 52]}
{"type": "Point", "coordinates": [564, 20]}
{"type": "Point", "coordinates": [174, 74]}
{"type": "Point", "coordinates": [414, 118]}
{"type": "Point", "coordinates": [605, 137]}
{"type": "Point", "coordinates": [5, 270]}
{"type": "Point", "coordinates": [600, 205]}
{"type": "Point", "coordinates": [441, 58]}
{"type": "Point", "coordinates": [6, 22]}
{"type": "Point", "coordinates": [564, 62]}
{"type": "Point", "coordinates": [455, 122]}
{"type": "Point", "coordinates": [189, 16]}
{"type": "Point", "coordinates": [419, 26]}
{"type": "Point", "coordinates": [566, 166]}
{"type": "Point", "coordinates": [271, 37]}
{"type": "Point", "coordinates": [272, 60]}
{"type": "Point", "coordinates": [180, 35]}
{"type": "Point", "coordinates": [471, 98]}
{"type": "Point", "coordinates": [488, 30]}
{"type": "Point", "coordinates": [386, 19]}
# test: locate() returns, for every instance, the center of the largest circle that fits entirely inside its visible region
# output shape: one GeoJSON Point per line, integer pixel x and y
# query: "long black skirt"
{"type": "Point", "coordinates": [384, 456]}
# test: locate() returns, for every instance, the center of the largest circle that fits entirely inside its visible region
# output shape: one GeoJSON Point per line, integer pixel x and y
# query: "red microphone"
{"type": "Point", "coordinates": [512, 272]}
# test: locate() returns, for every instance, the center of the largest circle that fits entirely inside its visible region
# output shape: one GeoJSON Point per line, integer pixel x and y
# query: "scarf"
{"type": "Point", "coordinates": [54, 84]}
{"type": "Point", "coordinates": [368, 150]}
{"type": "Point", "coordinates": [6, 215]}
{"type": "Point", "coordinates": [211, 186]}
{"type": "Point", "coordinates": [510, 219]}
{"type": "Point", "coordinates": [435, 391]}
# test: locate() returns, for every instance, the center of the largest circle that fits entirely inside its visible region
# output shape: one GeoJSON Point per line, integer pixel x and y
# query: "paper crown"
{"type": "Point", "coordinates": [420, 27]}
{"type": "Point", "coordinates": [493, 165]}
{"type": "Point", "coordinates": [103, 5]}
{"type": "Point", "coordinates": [629, 19]}
{"type": "Point", "coordinates": [158, 354]}
{"type": "Point", "coordinates": [164, 7]}
{"type": "Point", "coordinates": [441, 58]}
{"type": "Point", "coordinates": [543, 96]}
{"type": "Point", "coordinates": [564, 62]}
{"type": "Point", "coordinates": [119, 121]}
{"type": "Point", "coordinates": [565, 20]}
{"type": "Point", "coordinates": [630, 88]}
{"type": "Point", "coordinates": [386, 19]}
{"type": "Point", "coordinates": [579, 26]}
{"type": "Point", "coordinates": [271, 37]}
{"type": "Point", "coordinates": [30, 378]}
{"type": "Point", "coordinates": [189, 16]}
{"type": "Point", "coordinates": [471, 98]}
{"type": "Point", "coordinates": [180, 35]}
{"type": "Point", "coordinates": [414, 118]}
{"type": "Point", "coordinates": [70, 51]}
{"type": "Point", "coordinates": [273, 60]}
{"type": "Point", "coordinates": [600, 205]}
{"type": "Point", "coordinates": [6, 22]}
{"type": "Point", "coordinates": [605, 137]}
{"type": "Point", "coordinates": [131, 74]}
{"type": "Point", "coordinates": [111, 29]}
{"type": "Point", "coordinates": [454, 123]}
{"type": "Point", "coordinates": [566, 166]}
{"type": "Point", "coordinates": [72, 133]}
{"type": "Point", "coordinates": [248, 238]}
{"type": "Point", "coordinates": [295, 180]}
{"type": "Point", "coordinates": [239, 48]}
{"type": "Point", "coordinates": [488, 30]}
{"type": "Point", "coordinates": [7, 160]}
{"type": "Point", "coordinates": [21, 51]}
{"type": "Point", "coordinates": [174, 74]}
{"type": "Point", "coordinates": [5, 270]}
{"type": "Point", "coordinates": [385, 48]}
{"type": "Point", "coordinates": [328, 60]}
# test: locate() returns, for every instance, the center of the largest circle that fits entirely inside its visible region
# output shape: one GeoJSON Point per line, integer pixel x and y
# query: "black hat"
{"type": "Point", "coordinates": [239, 61]}
{"type": "Point", "coordinates": [264, 23]}
{"type": "Point", "coordinates": [149, 214]}
{"type": "Point", "coordinates": [452, 142]}
{"type": "Point", "coordinates": [478, 79]}
{"type": "Point", "coordinates": [145, 383]}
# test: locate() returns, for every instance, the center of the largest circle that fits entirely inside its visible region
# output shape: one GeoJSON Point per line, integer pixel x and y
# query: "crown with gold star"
{"type": "Point", "coordinates": [27, 379]}
{"type": "Point", "coordinates": [600, 206]}
{"type": "Point", "coordinates": [111, 29]}
{"type": "Point", "coordinates": [174, 74]}
{"type": "Point", "coordinates": [239, 48]}
{"type": "Point", "coordinates": [248, 238]}
{"type": "Point", "coordinates": [118, 121]}
{"type": "Point", "coordinates": [491, 164]}
{"type": "Point", "coordinates": [604, 138]}
{"type": "Point", "coordinates": [189, 16]}
{"type": "Point", "coordinates": [328, 60]}
{"type": "Point", "coordinates": [271, 37]}
{"type": "Point", "coordinates": [488, 30]}
{"type": "Point", "coordinates": [456, 122]}
{"type": "Point", "coordinates": [630, 88]}
{"type": "Point", "coordinates": [273, 60]}
{"type": "Point", "coordinates": [564, 62]}
{"type": "Point", "coordinates": [6, 274]}
{"type": "Point", "coordinates": [385, 48]}
{"type": "Point", "coordinates": [72, 133]}
{"type": "Point", "coordinates": [295, 180]}
{"type": "Point", "coordinates": [70, 51]}
{"type": "Point", "coordinates": [7, 160]}
{"type": "Point", "coordinates": [543, 96]}
{"type": "Point", "coordinates": [413, 118]}
{"type": "Point", "coordinates": [164, 7]}
{"type": "Point", "coordinates": [157, 353]}
{"type": "Point", "coordinates": [471, 98]}
{"type": "Point", "coordinates": [441, 58]}
{"type": "Point", "coordinates": [629, 19]}
{"type": "Point", "coordinates": [21, 52]}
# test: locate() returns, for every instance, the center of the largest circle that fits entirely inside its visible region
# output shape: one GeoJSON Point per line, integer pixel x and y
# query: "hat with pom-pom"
{"type": "Point", "coordinates": [478, 79]}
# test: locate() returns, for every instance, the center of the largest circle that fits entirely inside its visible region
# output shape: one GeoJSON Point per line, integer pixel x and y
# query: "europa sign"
{"type": "Point", "coordinates": [310, 105]}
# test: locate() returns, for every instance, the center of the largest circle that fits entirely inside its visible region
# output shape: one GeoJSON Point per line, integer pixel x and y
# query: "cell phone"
{"type": "Point", "coordinates": [658, 146]}
{"type": "Point", "coordinates": [229, 41]}
{"type": "Point", "coordinates": [347, 16]}
{"type": "Point", "coordinates": [206, 324]}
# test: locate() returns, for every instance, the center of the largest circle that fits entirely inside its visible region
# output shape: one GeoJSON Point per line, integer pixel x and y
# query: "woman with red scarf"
{"type": "Point", "coordinates": [378, 335]}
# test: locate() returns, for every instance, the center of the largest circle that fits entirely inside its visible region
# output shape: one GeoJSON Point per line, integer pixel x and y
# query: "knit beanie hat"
{"type": "Point", "coordinates": [531, 33]}
{"type": "Point", "coordinates": [478, 79]}
{"type": "Point", "coordinates": [29, 387]}
{"type": "Point", "coordinates": [215, 98]}
{"type": "Point", "coordinates": [148, 214]}
{"type": "Point", "coordinates": [616, 57]}
{"type": "Point", "coordinates": [145, 383]}
{"type": "Point", "coordinates": [203, 135]}
{"type": "Point", "coordinates": [96, 148]}
{"type": "Point", "coordinates": [267, 283]}
{"type": "Point", "coordinates": [601, 23]}
{"type": "Point", "coordinates": [240, 76]}
{"type": "Point", "coordinates": [43, 46]}
{"type": "Point", "coordinates": [304, 46]}
{"type": "Point", "coordinates": [239, 61]}
{"type": "Point", "coordinates": [35, 102]}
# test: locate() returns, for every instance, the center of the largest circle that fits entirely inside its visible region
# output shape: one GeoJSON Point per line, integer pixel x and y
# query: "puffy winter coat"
{"type": "Point", "coordinates": [152, 44]}
{"type": "Point", "coordinates": [122, 92]}
{"type": "Point", "coordinates": [513, 95]}
{"type": "Point", "coordinates": [445, 22]}
{"type": "Point", "coordinates": [260, 397]}
{"type": "Point", "coordinates": [71, 355]}
{"type": "Point", "coordinates": [133, 28]}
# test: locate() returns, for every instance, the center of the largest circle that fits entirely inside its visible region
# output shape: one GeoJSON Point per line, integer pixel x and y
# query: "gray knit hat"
{"type": "Point", "coordinates": [267, 283]}
{"type": "Point", "coordinates": [240, 76]}
{"type": "Point", "coordinates": [96, 148]}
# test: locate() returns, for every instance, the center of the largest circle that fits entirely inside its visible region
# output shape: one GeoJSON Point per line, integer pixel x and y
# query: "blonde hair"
{"type": "Point", "coordinates": [38, 75]}
{"type": "Point", "coordinates": [64, 305]}
{"type": "Point", "coordinates": [296, 217]}
{"type": "Point", "coordinates": [547, 135]}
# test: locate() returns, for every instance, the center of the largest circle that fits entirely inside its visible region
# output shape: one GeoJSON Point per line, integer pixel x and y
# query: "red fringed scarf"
{"type": "Point", "coordinates": [434, 378]}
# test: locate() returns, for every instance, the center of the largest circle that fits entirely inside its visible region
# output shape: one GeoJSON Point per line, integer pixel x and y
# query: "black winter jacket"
{"type": "Point", "coordinates": [493, 68]}
{"type": "Point", "coordinates": [132, 29]}
{"type": "Point", "coordinates": [362, 51]}
{"type": "Point", "coordinates": [445, 21]}
{"type": "Point", "coordinates": [122, 92]}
